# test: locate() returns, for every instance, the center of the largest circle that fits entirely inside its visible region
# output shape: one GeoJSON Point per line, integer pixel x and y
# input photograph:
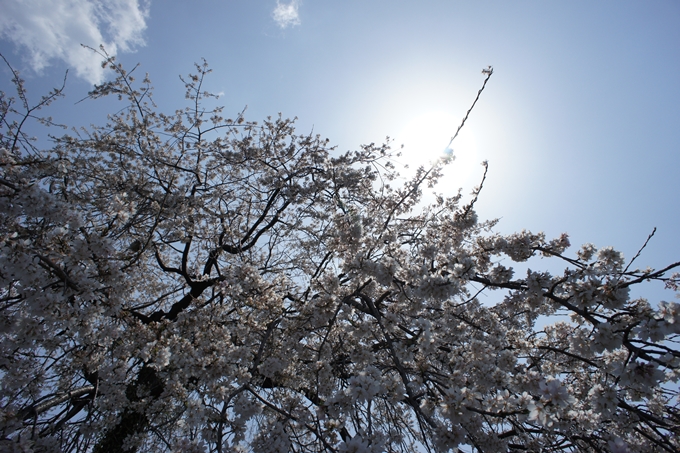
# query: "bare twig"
{"type": "Point", "coordinates": [489, 72]}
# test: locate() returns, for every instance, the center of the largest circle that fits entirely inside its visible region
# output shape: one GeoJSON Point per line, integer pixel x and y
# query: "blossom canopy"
{"type": "Point", "coordinates": [190, 282]}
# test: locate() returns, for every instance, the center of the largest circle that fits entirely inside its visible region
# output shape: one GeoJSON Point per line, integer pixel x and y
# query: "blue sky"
{"type": "Point", "coordinates": [580, 122]}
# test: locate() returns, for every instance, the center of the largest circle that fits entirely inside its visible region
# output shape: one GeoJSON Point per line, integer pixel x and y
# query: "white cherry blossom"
{"type": "Point", "coordinates": [190, 282]}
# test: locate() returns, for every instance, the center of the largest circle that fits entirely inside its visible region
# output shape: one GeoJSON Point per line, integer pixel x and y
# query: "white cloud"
{"type": "Point", "coordinates": [55, 29]}
{"type": "Point", "coordinates": [286, 14]}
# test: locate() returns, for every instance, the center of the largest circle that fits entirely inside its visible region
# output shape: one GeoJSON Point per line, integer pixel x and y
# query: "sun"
{"type": "Point", "coordinates": [425, 139]}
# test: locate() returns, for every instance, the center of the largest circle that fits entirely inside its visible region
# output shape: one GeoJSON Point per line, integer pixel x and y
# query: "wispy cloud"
{"type": "Point", "coordinates": [55, 29]}
{"type": "Point", "coordinates": [286, 14]}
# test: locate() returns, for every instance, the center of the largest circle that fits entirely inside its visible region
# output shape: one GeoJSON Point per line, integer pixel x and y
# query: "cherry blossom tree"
{"type": "Point", "coordinates": [189, 282]}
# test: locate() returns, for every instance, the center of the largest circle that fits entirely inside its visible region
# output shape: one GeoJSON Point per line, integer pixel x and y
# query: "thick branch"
{"type": "Point", "coordinates": [37, 409]}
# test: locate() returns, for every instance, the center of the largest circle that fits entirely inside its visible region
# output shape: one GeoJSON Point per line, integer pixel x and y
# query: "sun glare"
{"type": "Point", "coordinates": [425, 139]}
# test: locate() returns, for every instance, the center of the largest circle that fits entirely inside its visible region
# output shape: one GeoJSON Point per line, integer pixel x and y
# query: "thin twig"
{"type": "Point", "coordinates": [489, 73]}
{"type": "Point", "coordinates": [641, 249]}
